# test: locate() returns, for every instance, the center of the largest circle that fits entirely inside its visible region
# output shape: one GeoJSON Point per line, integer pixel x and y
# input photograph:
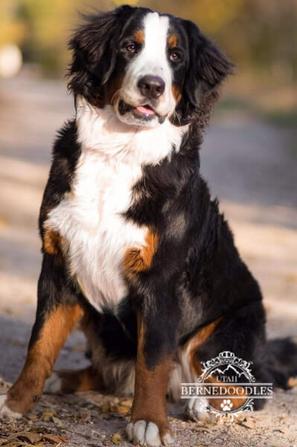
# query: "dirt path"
{"type": "Point", "coordinates": [252, 169]}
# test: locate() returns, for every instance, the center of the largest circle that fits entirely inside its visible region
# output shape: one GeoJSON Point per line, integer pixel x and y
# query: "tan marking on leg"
{"type": "Point", "coordinates": [139, 37]}
{"type": "Point", "coordinates": [149, 402]}
{"type": "Point", "coordinates": [172, 41]}
{"type": "Point", "coordinates": [52, 242]}
{"type": "Point", "coordinates": [140, 259]}
{"type": "Point", "coordinates": [193, 349]}
{"type": "Point", "coordinates": [81, 380]}
{"type": "Point", "coordinates": [41, 357]}
{"type": "Point", "coordinates": [196, 341]}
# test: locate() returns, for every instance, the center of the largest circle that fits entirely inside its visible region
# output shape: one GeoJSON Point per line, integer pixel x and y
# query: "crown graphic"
{"type": "Point", "coordinates": [226, 358]}
{"type": "Point", "coordinates": [227, 355]}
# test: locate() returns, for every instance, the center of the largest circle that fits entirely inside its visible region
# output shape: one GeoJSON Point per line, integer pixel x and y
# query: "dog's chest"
{"type": "Point", "coordinates": [90, 219]}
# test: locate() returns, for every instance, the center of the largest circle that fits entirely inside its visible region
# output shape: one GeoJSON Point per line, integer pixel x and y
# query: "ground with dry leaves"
{"type": "Point", "coordinates": [250, 165]}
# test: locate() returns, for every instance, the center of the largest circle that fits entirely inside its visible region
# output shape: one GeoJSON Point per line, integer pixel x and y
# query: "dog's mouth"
{"type": "Point", "coordinates": [143, 112]}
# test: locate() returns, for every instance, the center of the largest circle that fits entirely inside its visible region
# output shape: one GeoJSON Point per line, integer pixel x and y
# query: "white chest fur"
{"type": "Point", "coordinates": [90, 220]}
{"type": "Point", "coordinates": [90, 217]}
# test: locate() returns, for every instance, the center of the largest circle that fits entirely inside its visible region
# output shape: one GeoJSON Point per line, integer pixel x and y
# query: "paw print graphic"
{"type": "Point", "coordinates": [226, 405]}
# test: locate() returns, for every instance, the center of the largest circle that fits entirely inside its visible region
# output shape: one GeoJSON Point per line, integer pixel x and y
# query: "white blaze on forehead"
{"type": "Point", "coordinates": [152, 59]}
{"type": "Point", "coordinates": [155, 38]}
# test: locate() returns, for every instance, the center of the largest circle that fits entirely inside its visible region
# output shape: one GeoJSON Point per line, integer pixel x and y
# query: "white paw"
{"type": "Point", "coordinates": [5, 412]}
{"type": "Point", "coordinates": [147, 434]}
{"type": "Point", "coordinates": [198, 409]}
{"type": "Point", "coordinates": [53, 384]}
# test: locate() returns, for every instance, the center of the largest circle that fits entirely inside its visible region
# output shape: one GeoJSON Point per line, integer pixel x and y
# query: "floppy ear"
{"type": "Point", "coordinates": [207, 68]}
{"type": "Point", "coordinates": [93, 48]}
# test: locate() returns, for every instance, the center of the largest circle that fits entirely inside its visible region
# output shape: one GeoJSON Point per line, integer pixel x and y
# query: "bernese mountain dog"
{"type": "Point", "coordinates": [134, 248]}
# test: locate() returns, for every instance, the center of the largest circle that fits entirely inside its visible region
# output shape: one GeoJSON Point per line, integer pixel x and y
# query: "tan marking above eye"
{"type": "Point", "coordinates": [139, 37]}
{"type": "Point", "coordinates": [172, 41]}
{"type": "Point", "coordinates": [140, 259]}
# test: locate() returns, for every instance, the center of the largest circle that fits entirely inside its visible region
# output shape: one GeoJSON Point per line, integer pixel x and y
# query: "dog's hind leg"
{"type": "Point", "coordinates": [57, 313]}
{"type": "Point", "coordinates": [240, 334]}
{"type": "Point", "coordinates": [72, 381]}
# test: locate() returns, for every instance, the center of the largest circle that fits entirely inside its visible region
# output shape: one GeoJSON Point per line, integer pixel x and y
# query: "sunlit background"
{"type": "Point", "coordinates": [249, 158]}
{"type": "Point", "coordinates": [250, 151]}
{"type": "Point", "coordinates": [259, 35]}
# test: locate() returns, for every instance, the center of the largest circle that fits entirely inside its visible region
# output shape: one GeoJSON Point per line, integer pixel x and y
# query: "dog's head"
{"type": "Point", "coordinates": [148, 66]}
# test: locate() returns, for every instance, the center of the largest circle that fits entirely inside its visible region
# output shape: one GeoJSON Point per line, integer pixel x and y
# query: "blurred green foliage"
{"type": "Point", "coordinates": [258, 34]}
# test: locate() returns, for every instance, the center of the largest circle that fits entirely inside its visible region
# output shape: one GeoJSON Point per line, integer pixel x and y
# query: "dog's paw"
{"type": "Point", "coordinates": [147, 434]}
{"type": "Point", "coordinates": [197, 409]}
{"type": "Point", "coordinates": [5, 411]}
{"type": "Point", "coordinates": [53, 385]}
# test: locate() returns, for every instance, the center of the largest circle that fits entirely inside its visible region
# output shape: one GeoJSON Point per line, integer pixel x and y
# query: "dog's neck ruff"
{"type": "Point", "coordinates": [100, 130]}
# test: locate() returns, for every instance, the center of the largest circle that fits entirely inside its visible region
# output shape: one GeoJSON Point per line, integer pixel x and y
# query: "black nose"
{"type": "Point", "coordinates": [151, 86]}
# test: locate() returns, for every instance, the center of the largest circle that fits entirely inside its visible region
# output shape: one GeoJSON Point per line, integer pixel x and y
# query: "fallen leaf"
{"type": "Point", "coordinates": [48, 415]}
{"type": "Point", "coordinates": [292, 382]}
{"type": "Point", "coordinates": [126, 402]}
{"type": "Point", "coordinates": [53, 439]}
{"type": "Point", "coordinates": [32, 437]}
{"type": "Point", "coordinates": [57, 422]}
{"type": "Point", "coordinates": [121, 409]}
{"type": "Point", "coordinates": [116, 438]}
{"type": "Point", "coordinates": [23, 438]}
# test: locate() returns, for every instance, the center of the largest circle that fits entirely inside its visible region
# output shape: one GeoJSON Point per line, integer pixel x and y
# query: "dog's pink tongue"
{"type": "Point", "coordinates": [145, 110]}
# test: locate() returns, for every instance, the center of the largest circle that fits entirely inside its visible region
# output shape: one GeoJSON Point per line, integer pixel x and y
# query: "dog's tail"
{"type": "Point", "coordinates": [279, 362]}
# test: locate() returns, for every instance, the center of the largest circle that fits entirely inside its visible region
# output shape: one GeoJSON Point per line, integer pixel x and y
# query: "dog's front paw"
{"type": "Point", "coordinates": [197, 409]}
{"type": "Point", "coordinates": [148, 434]}
{"type": "Point", "coordinates": [5, 411]}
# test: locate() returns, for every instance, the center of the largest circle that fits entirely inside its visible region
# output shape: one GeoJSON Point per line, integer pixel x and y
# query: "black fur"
{"type": "Point", "coordinates": [206, 70]}
{"type": "Point", "coordinates": [94, 54]}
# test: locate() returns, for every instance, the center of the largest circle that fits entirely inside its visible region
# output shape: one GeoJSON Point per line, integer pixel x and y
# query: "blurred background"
{"type": "Point", "coordinates": [249, 156]}
{"type": "Point", "coordinates": [259, 35]}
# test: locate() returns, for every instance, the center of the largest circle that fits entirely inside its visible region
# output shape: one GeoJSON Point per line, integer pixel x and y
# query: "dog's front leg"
{"type": "Point", "coordinates": [149, 425]}
{"type": "Point", "coordinates": [57, 313]}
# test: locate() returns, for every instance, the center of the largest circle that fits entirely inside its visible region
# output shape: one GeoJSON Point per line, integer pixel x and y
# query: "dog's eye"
{"type": "Point", "coordinates": [175, 55]}
{"type": "Point", "coordinates": [132, 47]}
